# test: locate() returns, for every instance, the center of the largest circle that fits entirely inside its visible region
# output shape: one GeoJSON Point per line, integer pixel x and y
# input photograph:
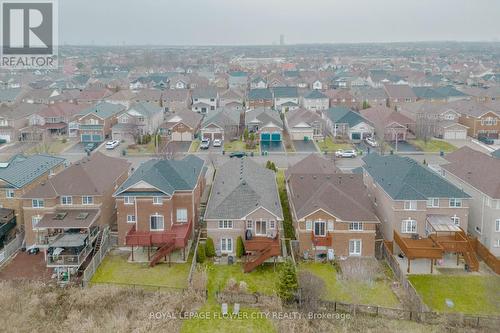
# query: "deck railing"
{"type": "Point", "coordinates": [421, 251]}
{"type": "Point", "coordinates": [321, 240]}
{"type": "Point", "coordinates": [74, 260]}
{"type": "Point", "coordinates": [179, 233]}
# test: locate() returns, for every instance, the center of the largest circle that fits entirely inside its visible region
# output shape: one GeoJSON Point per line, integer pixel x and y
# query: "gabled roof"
{"type": "Point", "coordinates": [312, 164]}
{"type": "Point", "coordinates": [10, 94]}
{"type": "Point", "coordinates": [240, 187]}
{"type": "Point", "coordinates": [21, 170]}
{"type": "Point", "coordinates": [475, 168]}
{"type": "Point", "coordinates": [399, 91]}
{"type": "Point", "coordinates": [315, 94]}
{"type": "Point", "coordinates": [103, 110]}
{"type": "Point", "coordinates": [187, 117]}
{"type": "Point", "coordinates": [168, 176]}
{"type": "Point", "coordinates": [382, 116]}
{"type": "Point", "coordinates": [205, 93]}
{"type": "Point", "coordinates": [405, 179]}
{"type": "Point", "coordinates": [298, 116]}
{"type": "Point", "coordinates": [260, 93]}
{"type": "Point", "coordinates": [437, 93]}
{"type": "Point", "coordinates": [263, 116]}
{"type": "Point", "coordinates": [222, 117]}
{"type": "Point", "coordinates": [285, 92]}
{"type": "Point", "coordinates": [343, 115]}
{"type": "Point", "coordinates": [144, 109]}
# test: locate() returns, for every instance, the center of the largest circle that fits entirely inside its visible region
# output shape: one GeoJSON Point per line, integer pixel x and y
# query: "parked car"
{"type": "Point", "coordinates": [217, 143]}
{"type": "Point", "coordinates": [486, 140]}
{"type": "Point", "coordinates": [205, 143]}
{"type": "Point", "coordinates": [371, 142]}
{"type": "Point", "coordinates": [90, 147]}
{"type": "Point", "coordinates": [112, 144]}
{"type": "Point", "coordinates": [345, 153]}
{"type": "Point", "coordinates": [238, 154]}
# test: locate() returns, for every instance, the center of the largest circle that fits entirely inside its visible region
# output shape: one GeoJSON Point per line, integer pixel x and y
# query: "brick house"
{"type": "Point", "coordinates": [260, 97]}
{"type": "Point", "coordinates": [95, 123]}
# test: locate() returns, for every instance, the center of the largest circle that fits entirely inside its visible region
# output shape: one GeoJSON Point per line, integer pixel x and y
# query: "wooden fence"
{"type": "Point", "coordinates": [89, 272]}
{"type": "Point", "coordinates": [193, 260]}
{"type": "Point", "coordinates": [11, 248]}
{"type": "Point", "coordinates": [483, 252]}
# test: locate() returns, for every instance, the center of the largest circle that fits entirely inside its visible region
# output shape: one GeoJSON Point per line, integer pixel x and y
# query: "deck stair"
{"type": "Point", "coordinates": [163, 251]}
{"type": "Point", "coordinates": [470, 256]}
{"type": "Point", "coordinates": [98, 242]}
{"type": "Point", "coordinates": [264, 249]}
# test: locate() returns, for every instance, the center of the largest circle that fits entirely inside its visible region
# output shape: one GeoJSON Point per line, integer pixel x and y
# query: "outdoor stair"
{"type": "Point", "coordinates": [471, 257]}
{"type": "Point", "coordinates": [163, 251]}
{"type": "Point", "coordinates": [98, 242]}
{"type": "Point", "coordinates": [269, 251]}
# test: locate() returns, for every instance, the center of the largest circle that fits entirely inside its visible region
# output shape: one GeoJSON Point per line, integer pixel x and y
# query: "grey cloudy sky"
{"type": "Point", "coordinates": [216, 22]}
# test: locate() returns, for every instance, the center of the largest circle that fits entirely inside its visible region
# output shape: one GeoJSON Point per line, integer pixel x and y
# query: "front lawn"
{"type": "Point", "coordinates": [287, 216]}
{"type": "Point", "coordinates": [433, 146]}
{"type": "Point", "coordinates": [472, 294]}
{"type": "Point", "coordinates": [116, 269]}
{"type": "Point", "coordinates": [238, 145]}
{"type": "Point", "coordinates": [136, 149]}
{"type": "Point", "coordinates": [56, 146]}
{"type": "Point", "coordinates": [377, 292]}
{"type": "Point", "coordinates": [329, 145]}
{"type": "Point", "coordinates": [195, 145]}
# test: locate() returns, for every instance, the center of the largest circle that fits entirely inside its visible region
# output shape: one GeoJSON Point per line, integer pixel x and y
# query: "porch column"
{"type": "Point", "coordinates": [149, 253]}
{"type": "Point", "coordinates": [458, 257]}
{"type": "Point", "coordinates": [132, 247]}
{"type": "Point", "coordinates": [432, 264]}
{"type": "Point", "coordinates": [408, 270]}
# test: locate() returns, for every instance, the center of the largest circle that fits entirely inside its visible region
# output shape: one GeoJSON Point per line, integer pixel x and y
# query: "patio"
{"type": "Point", "coordinates": [421, 266]}
{"type": "Point", "coordinates": [26, 266]}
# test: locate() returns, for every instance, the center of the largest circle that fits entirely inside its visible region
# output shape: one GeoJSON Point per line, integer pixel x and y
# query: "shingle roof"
{"type": "Point", "coordinates": [9, 94]}
{"type": "Point", "coordinates": [343, 115]}
{"type": "Point", "coordinates": [167, 176]}
{"type": "Point", "coordinates": [222, 117]}
{"type": "Point", "coordinates": [405, 179]}
{"type": "Point", "coordinates": [496, 153]}
{"type": "Point", "coordinates": [104, 110]}
{"type": "Point", "coordinates": [208, 92]}
{"type": "Point", "coordinates": [21, 170]}
{"type": "Point", "coordinates": [260, 93]}
{"type": "Point", "coordinates": [283, 92]}
{"type": "Point", "coordinates": [263, 116]}
{"type": "Point", "coordinates": [315, 94]}
{"type": "Point", "coordinates": [240, 187]}
{"type": "Point", "coordinates": [145, 109]}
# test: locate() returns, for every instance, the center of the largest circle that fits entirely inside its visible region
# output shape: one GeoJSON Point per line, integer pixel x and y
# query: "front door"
{"type": "Point", "coordinates": [261, 228]}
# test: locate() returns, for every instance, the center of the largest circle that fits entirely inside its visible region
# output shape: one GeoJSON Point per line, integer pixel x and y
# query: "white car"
{"type": "Point", "coordinates": [112, 144]}
{"type": "Point", "coordinates": [345, 153]}
{"type": "Point", "coordinates": [205, 143]}
{"type": "Point", "coordinates": [217, 143]}
{"type": "Point", "coordinates": [371, 142]}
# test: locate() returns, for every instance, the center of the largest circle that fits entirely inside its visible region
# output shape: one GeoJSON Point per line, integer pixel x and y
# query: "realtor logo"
{"type": "Point", "coordinates": [29, 31]}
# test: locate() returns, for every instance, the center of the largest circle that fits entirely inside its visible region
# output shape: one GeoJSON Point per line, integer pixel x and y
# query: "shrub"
{"type": "Point", "coordinates": [200, 254]}
{"type": "Point", "coordinates": [210, 248]}
{"type": "Point", "coordinates": [287, 284]}
{"type": "Point", "coordinates": [240, 247]}
{"type": "Point", "coordinates": [64, 140]}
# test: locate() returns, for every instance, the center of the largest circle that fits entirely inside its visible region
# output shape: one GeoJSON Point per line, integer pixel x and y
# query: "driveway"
{"type": "Point", "coordinates": [404, 146]}
{"type": "Point", "coordinates": [304, 146]}
{"type": "Point", "coordinates": [272, 146]}
{"type": "Point", "coordinates": [178, 146]}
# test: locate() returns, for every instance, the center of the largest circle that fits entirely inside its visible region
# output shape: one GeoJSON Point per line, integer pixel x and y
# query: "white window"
{"type": "Point", "coordinates": [272, 224]}
{"type": "Point", "coordinates": [496, 243]}
{"type": "Point", "coordinates": [129, 200]}
{"type": "Point", "coordinates": [87, 200]}
{"type": "Point", "coordinates": [330, 226]}
{"type": "Point", "coordinates": [35, 220]}
{"type": "Point", "coordinates": [433, 202]}
{"type": "Point", "coordinates": [320, 228]}
{"type": "Point", "coordinates": [182, 214]}
{"type": "Point", "coordinates": [356, 226]}
{"type": "Point", "coordinates": [497, 225]}
{"type": "Point", "coordinates": [250, 224]}
{"type": "Point", "coordinates": [9, 193]}
{"type": "Point", "coordinates": [455, 202]}
{"type": "Point", "coordinates": [66, 200]}
{"type": "Point", "coordinates": [37, 203]}
{"type": "Point", "coordinates": [225, 224]}
{"type": "Point", "coordinates": [355, 247]}
{"type": "Point", "coordinates": [308, 225]}
{"type": "Point", "coordinates": [130, 218]}
{"type": "Point", "coordinates": [408, 226]}
{"type": "Point", "coordinates": [156, 222]}
{"type": "Point", "coordinates": [157, 201]}
{"type": "Point", "coordinates": [226, 245]}
{"type": "Point", "coordinates": [456, 220]}
{"type": "Point", "coordinates": [410, 205]}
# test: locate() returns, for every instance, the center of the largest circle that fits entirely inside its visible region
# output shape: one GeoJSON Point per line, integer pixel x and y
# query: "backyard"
{"type": "Point", "coordinates": [115, 269]}
{"type": "Point", "coordinates": [433, 146]}
{"type": "Point", "coordinates": [472, 294]}
{"type": "Point", "coordinates": [376, 292]}
{"type": "Point", "coordinates": [329, 145]}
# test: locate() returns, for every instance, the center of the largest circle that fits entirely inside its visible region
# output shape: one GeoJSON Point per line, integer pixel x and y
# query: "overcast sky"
{"type": "Point", "coordinates": [237, 22]}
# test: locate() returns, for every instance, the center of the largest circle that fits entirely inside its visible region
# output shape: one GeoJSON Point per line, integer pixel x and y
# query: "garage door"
{"type": "Point", "coordinates": [217, 136]}
{"type": "Point", "coordinates": [5, 137]}
{"type": "Point", "coordinates": [301, 135]}
{"type": "Point", "coordinates": [276, 136]}
{"type": "Point", "coordinates": [86, 138]}
{"type": "Point", "coordinates": [265, 136]}
{"type": "Point", "coordinates": [96, 138]}
{"type": "Point", "coordinates": [176, 136]}
{"type": "Point", "coordinates": [355, 136]}
{"type": "Point", "coordinates": [187, 136]}
{"type": "Point", "coordinates": [455, 135]}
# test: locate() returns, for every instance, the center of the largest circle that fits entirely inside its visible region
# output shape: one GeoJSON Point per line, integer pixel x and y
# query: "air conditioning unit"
{"type": "Point", "coordinates": [414, 236]}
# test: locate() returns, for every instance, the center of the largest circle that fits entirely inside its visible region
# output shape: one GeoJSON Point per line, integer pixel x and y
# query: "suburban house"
{"type": "Point", "coordinates": [66, 215]}
{"type": "Point", "coordinates": [398, 94]}
{"type": "Point", "coordinates": [260, 97]}
{"type": "Point", "coordinates": [93, 95]}
{"type": "Point", "coordinates": [142, 118]}
{"type": "Point", "coordinates": [179, 82]}
{"type": "Point", "coordinates": [344, 122]}
{"type": "Point", "coordinates": [14, 118]}
{"type": "Point", "coordinates": [124, 97]}
{"type": "Point", "coordinates": [435, 119]}
{"type": "Point", "coordinates": [315, 100]}
{"type": "Point", "coordinates": [10, 96]}
{"type": "Point", "coordinates": [258, 83]}
{"type": "Point", "coordinates": [331, 210]}
{"type": "Point", "coordinates": [181, 126]}
{"type": "Point", "coordinates": [439, 94]}
{"type": "Point", "coordinates": [285, 98]}
{"type": "Point", "coordinates": [96, 122]}
{"type": "Point", "coordinates": [479, 175]}
{"type": "Point", "coordinates": [370, 96]}
{"type": "Point", "coordinates": [221, 124]}
{"type": "Point", "coordinates": [265, 123]}
{"type": "Point", "coordinates": [230, 97]}
{"type": "Point", "coordinates": [389, 124]}
{"type": "Point", "coordinates": [304, 124]}
{"type": "Point", "coordinates": [341, 97]}
{"type": "Point", "coordinates": [158, 207]}
{"type": "Point", "coordinates": [244, 202]}
{"type": "Point", "coordinates": [174, 100]}
{"type": "Point", "coordinates": [422, 214]}
{"type": "Point", "coordinates": [149, 96]}
{"type": "Point", "coordinates": [482, 119]}
{"type": "Point", "coordinates": [22, 173]}
{"type": "Point", "coordinates": [204, 100]}
{"type": "Point", "coordinates": [238, 80]}
{"type": "Point", "coordinates": [40, 96]}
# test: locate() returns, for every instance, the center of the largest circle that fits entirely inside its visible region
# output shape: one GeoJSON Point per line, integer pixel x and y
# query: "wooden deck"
{"type": "Point", "coordinates": [321, 240]}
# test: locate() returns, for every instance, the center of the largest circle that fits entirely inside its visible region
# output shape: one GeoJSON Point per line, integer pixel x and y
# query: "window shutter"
{"type": "Point", "coordinates": [308, 225]}
{"type": "Point", "coordinates": [330, 225]}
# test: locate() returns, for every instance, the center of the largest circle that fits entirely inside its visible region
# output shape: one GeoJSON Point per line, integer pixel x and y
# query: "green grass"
{"type": "Point", "coordinates": [472, 294]}
{"type": "Point", "coordinates": [195, 145]}
{"type": "Point", "coordinates": [136, 149]}
{"type": "Point", "coordinates": [53, 147]}
{"type": "Point", "coordinates": [376, 293]}
{"type": "Point", "coordinates": [116, 269]}
{"type": "Point", "coordinates": [330, 146]}
{"type": "Point", "coordinates": [287, 216]}
{"type": "Point", "coordinates": [433, 146]}
{"type": "Point", "coordinates": [238, 145]}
